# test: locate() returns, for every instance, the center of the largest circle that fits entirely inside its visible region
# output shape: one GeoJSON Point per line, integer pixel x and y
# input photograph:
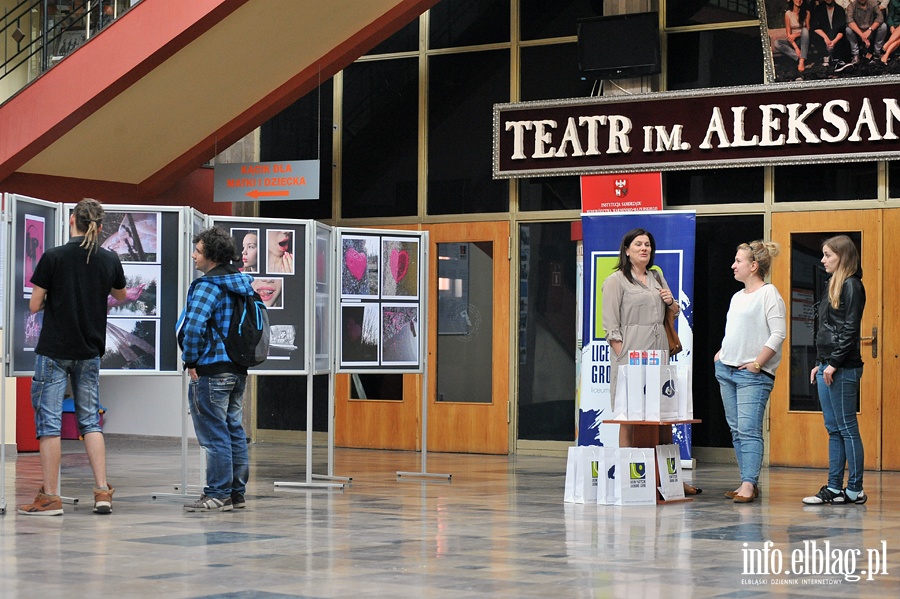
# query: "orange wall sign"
{"type": "Point", "coordinates": [258, 181]}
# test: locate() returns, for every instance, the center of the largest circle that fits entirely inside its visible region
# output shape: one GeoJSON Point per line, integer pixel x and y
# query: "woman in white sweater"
{"type": "Point", "coordinates": [745, 365]}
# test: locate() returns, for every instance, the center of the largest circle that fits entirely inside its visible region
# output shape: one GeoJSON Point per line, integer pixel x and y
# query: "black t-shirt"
{"type": "Point", "coordinates": [74, 326]}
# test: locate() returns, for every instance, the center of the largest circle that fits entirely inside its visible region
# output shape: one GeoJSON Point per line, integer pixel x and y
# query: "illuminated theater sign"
{"type": "Point", "coordinates": [856, 120]}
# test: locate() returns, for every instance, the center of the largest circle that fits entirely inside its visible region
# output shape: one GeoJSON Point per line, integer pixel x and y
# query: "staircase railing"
{"type": "Point", "coordinates": [37, 34]}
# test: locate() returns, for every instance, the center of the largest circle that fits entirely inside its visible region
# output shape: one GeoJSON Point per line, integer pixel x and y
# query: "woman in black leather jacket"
{"type": "Point", "coordinates": [838, 370]}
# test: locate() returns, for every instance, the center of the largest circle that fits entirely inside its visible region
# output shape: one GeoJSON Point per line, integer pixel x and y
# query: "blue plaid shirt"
{"type": "Point", "coordinates": [202, 346]}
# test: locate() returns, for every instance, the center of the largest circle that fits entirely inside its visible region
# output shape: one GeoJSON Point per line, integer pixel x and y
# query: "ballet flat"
{"type": "Point", "coordinates": [741, 499]}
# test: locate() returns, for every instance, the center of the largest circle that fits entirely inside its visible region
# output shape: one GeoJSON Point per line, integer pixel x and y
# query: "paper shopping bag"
{"type": "Point", "coordinates": [571, 465]}
{"type": "Point", "coordinates": [684, 393]}
{"type": "Point", "coordinates": [635, 476]}
{"type": "Point", "coordinates": [620, 401]}
{"type": "Point", "coordinates": [606, 475]}
{"type": "Point", "coordinates": [668, 393]}
{"type": "Point", "coordinates": [634, 374]}
{"type": "Point", "coordinates": [668, 461]}
{"type": "Point", "coordinates": [587, 464]}
{"type": "Point", "coordinates": [654, 378]}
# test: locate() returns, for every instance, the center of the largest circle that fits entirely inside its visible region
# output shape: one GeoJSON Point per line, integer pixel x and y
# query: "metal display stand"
{"type": "Point", "coordinates": [3, 441]}
{"type": "Point", "coordinates": [317, 273]}
{"type": "Point", "coordinates": [423, 473]}
{"type": "Point", "coordinates": [183, 485]}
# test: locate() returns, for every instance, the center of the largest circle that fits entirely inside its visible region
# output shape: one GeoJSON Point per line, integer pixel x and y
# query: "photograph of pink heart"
{"type": "Point", "coordinates": [399, 264]}
{"type": "Point", "coordinates": [361, 264]}
{"type": "Point", "coordinates": [356, 263]}
{"type": "Point", "coordinates": [400, 267]}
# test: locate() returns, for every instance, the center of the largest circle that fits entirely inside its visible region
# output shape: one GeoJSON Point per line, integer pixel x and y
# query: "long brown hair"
{"type": "Point", "coordinates": [847, 266]}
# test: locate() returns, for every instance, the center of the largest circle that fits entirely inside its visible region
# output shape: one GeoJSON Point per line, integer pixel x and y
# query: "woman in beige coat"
{"type": "Point", "coordinates": [635, 302]}
{"type": "Point", "coordinates": [634, 307]}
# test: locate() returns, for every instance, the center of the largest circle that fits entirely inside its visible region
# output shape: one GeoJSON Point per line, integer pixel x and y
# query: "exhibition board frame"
{"type": "Point", "coordinates": [383, 291]}
{"type": "Point", "coordinates": [285, 291]}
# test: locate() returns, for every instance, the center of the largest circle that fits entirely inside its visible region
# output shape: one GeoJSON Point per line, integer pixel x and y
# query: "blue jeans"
{"type": "Point", "coordinates": [217, 412]}
{"type": "Point", "coordinates": [744, 396]}
{"type": "Point", "coordinates": [48, 388]}
{"type": "Point", "coordinates": [839, 401]}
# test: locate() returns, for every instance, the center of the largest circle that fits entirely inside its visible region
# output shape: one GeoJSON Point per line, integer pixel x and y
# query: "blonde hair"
{"type": "Point", "coordinates": [88, 219]}
{"type": "Point", "coordinates": [762, 253]}
{"type": "Point", "coordinates": [848, 264]}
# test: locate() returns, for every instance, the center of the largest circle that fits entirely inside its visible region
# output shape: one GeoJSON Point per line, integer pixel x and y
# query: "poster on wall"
{"type": "Point", "coordinates": [674, 233]}
{"type": "Point", "coordinates": [34, 228]}
{"type": "Point", "coordinates": [273, 252]}
{"type": "Point", "coordinates": [140, 328]}
{"type": "Point", "coordinates": [34, 247]}
{"type": "Point", "coordinates": [811, 41]}
{"type": "Point", "coordinates": [381, 301]}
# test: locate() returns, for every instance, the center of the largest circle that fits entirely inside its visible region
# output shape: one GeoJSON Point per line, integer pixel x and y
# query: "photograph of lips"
{"type": "Point", "coordinates": [359, 334]}
{"type": "Point", "coordinates": [359, 265]}
{"type": "Point", "coordinates": [270, 290]}
{"type": "Point", "coordinates": [400, 334]}
{"type": "Point", "coordinates": [280, 251]}
{"type": "Point", "coordinates": [131, 235]}
{"type": "Point", "coordinates": [399, 268]}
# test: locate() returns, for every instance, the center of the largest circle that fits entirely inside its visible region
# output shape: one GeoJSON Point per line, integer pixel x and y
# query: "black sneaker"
{"type": "Point", "coordinates": [840, 65]}
{"type": "Point", "coordinates": [860, 499]}
{"type": "Point", "coordinates": [237, 501]}
{"type": "Point", "coordinates": [209, 504]}
{"type": "Point", "coordinates": [826, 495]}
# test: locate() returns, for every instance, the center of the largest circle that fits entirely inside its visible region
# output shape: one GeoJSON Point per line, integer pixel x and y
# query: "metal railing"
{"type": "Point", "coordinates": [37, 34]}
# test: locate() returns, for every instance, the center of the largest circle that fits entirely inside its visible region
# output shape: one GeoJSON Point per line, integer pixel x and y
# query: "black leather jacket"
{"type": "Point", "coordinates": [837, 338]}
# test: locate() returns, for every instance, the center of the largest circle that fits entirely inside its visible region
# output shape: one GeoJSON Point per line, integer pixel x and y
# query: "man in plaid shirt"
{"type": "Point", "coordinates": [217, 384]}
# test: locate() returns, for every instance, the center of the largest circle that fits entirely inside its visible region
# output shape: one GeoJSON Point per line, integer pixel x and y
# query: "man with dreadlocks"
{"type": "Point", "coordinates": [71, 284]}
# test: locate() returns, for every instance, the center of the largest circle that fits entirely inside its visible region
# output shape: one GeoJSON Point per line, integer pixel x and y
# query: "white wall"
{"type": "Point", "coordinates": [143, 405]}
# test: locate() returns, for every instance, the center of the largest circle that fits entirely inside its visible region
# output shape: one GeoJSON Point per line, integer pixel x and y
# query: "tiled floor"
{"type": "Point", "coordinates": [499, 528]}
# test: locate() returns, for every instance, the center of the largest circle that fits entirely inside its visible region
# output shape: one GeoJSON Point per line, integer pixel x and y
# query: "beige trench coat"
{"type": "Point", "coordinates": [632, 313]}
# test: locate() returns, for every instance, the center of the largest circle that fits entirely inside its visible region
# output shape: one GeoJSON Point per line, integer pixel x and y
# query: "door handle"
{"type": "Point", "coordinates": [874, 340]}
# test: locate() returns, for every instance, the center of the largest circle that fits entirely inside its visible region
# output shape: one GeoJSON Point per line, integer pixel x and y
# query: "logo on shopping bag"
{"type": "Point", "coordinates": [594, 468]}
{"type": "Point", "coordinates": [670, 465]}
{"type": "Point", "coordinates": [669, 388]}
{"type": "Point", "coordinates": [638, 470]}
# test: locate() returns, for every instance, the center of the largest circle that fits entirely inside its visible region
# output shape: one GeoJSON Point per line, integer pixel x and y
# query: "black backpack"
{"type": "Point", "coordinates": [247, 341]}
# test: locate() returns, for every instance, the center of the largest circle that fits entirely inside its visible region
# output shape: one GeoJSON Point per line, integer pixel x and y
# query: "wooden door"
{"type": "Point", "coordinates": [889, 345]}
{"type": "Point", "coordinates": [797, 432]}
{"type": "Point", "coordinates": [378, 411]}
{"type": "Point", "coordinates": [468, 338]}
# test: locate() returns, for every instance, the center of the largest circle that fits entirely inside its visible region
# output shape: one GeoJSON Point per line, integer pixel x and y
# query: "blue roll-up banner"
{"type": "Point", "coordinates": [674, 232]}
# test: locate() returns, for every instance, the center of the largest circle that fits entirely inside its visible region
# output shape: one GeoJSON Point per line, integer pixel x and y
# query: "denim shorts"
{"type": "Point", "coordinates": [48, 388]}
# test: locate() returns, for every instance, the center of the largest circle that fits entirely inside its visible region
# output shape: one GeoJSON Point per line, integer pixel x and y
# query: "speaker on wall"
{"type": "Point", "coordinates": [619, 46]}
